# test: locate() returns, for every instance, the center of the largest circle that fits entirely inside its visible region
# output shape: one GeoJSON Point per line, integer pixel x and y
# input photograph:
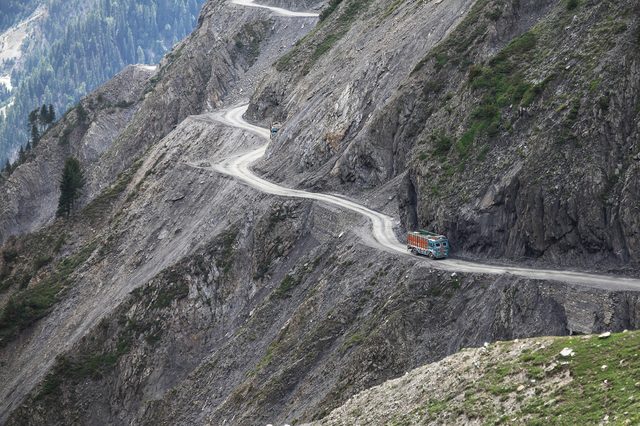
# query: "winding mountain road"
{"type": "Point", "coordinates": [239, 167]}
{"type": "Point", "coordinates": [277, 10]}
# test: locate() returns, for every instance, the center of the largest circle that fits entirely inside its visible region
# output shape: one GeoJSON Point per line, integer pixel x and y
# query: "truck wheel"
{"type": "Point", "coordinates": [430, 254]}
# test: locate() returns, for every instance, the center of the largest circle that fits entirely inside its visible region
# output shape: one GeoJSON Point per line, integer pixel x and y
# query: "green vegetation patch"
{"type": "Point", "coordinates": [601, 379]}
{"type": "Point", "coordinates": [605, 379]}
{"type": "Point", "coordinates": [104, 202]}
{"type": "Point", "coordinates": [173, 291]}
{"type": "Point", "coordinates": [92, 365]}
{"type": "Point", "coordinates": [23, 258]}
{"type": "Point", "coordinates": [462, 39]}
{"type": "Point", "coordinates": [331, 7]}
{"type": "Point", "coordinates": [329, 32]}
{"type": "Point", "coordinates": [25, 307]}
{"type": "Point", "coordinates": [225, 258]}
{"type": "Point", "coordinates": [288, 283]}
{"type": "Point", "coordinates": [102, 352]}
{"type": "Point", "coordinates": [501, 84]}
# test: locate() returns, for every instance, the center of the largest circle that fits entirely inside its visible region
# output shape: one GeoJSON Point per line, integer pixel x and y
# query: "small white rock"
{"type": "Point", "coordinates": [604, 335]}
{"type": "Point", "coordinates": [604, 367]}
{"type": "Point", "coordinates": [567, 352]}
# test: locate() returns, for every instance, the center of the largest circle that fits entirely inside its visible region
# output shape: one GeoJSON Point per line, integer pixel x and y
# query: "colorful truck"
{"type": "Point", "coordinates": [428, 244]}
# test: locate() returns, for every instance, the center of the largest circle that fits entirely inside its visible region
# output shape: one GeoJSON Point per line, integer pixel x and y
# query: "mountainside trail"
{"type": "Point", "coordinates": [277, 10]}
{"type": "Point", "coordinates": [200, 287]}
{"type": "Point", "coordinates": [383, 225]}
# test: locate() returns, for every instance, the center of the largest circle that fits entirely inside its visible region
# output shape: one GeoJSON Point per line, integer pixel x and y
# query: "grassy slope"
{"type": "Point", "coordinates": [520, 382]}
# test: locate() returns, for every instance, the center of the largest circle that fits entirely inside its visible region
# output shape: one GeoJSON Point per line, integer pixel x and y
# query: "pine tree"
{"type": "Point", "coordinates": [44, 112]}
{"type": "Point", "coordinates": [71, 185]}
{"type": "Point", "coordinates": [35, 135]}
{"type": "Point", "coordinates": [7, 166]}
{"type": "Point", "coordinates": [82, 113]}
{"type": "Point", "coordinates": [33, 117]}
{"type": "Point", "coordinates": [52, 114]}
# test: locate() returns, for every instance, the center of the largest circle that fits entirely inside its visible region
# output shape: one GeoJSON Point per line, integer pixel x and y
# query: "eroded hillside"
{"type": "Point", "coordinates": [580, 380]}
{"type": "Point", "coordinates": [179, 295]}
{"type": "Point", "coordinates": [511, 125]}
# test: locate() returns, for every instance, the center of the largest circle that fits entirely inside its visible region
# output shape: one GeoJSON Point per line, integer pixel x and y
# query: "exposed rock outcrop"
{"type": "Point", "coordinates": [29, 197]}
{"type": "Point", "coordinates": [198, 300]}
{"type": "Point", "coordinates": [516, 121]}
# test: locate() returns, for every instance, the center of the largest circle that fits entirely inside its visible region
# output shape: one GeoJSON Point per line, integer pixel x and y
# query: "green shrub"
{"type": "Point", "coordinates": [519, 45]}
{"type": "Point", "coordinates": [573, 112]}
{"type": "Point", "coordinates": [288, 283]}
{"type": "Point", "coordinates": [331, 7]}
{"type": "Point", "coordinates": [441, 60]}
{"type": "Point", "coordinates": [603, 102]}
{"type": "Point", "coordinates": [433, 86]}
{"type": "Point", "coordinates": [173, 291]}
{"type": "Point", "coordinates": [442, 143]}
{"type": "Point", "coordinates": [325, 46]}
{"type": "Point", "coordinates": [572, 4]}
{"type": "Point", "coordinates": [9, 255]}
{"type": "Point", "coordinates": [41, 261]}
{"type": "Point", "coordinates": [486, 112]}
{"type": "Point", "coordinates": [27, 306]}
{"type": "Point", "coordinates": [464, 143]}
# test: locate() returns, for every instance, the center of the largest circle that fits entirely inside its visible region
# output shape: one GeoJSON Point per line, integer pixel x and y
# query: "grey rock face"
{"type": "Point", "coordinates": [147, 228]}
{"type": "Point", "coordinates": [29, 198]}
{"type": "Point", "coordinates": [193, 78]}
{"type": "Point", "coordinates": [205, 302]}
{"type": "Point", "coordinates": [296, 331]}
{"type": "Point", "coordinates": [554, 181]}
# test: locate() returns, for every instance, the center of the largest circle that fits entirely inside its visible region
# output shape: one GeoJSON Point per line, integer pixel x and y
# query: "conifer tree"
{"type": "Point", "coordinates": [52, 114]}
{"type": "Point", "coordinates": [33, 117]}
{"type": "Point", "coordinates": [82, 113]}
{"type": "Point", "coordinates": [35, 135]}
{"type": "Point", "coordinates": [71, 185]}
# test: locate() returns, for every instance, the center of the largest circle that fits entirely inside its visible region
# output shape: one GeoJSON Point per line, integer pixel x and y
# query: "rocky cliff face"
{"type": "Point", "coordinates": [137, 109]}
{"type": "Point", "coordinates": [295, 332]}
{"type": "Point", "coordinates": [180, 296]}
{"type": "Point", "coordinates": [29, 196]}
{"type": "Point", "coordinates": [516, 122]}
{"type": "Point", "coordinates": [74, 273]}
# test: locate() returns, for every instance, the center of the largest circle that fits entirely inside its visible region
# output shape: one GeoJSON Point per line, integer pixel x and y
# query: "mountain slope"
{"type": "Point", "coordinates": [117, 229]}
{"type": "Point", "coordinates": [485, 105]}
{"type": "Point", "coordinates": [178, 295]}
{"type": "Point", "coordinates": [13, 11]}
{"type": "Point", "coordinates": [525, 382]}
{"type": "Point", "coordinates": [77, 46]}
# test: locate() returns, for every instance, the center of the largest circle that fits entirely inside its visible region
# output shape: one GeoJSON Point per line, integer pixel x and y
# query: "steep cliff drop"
{"type": "Point", "coordinates": [383, 225]}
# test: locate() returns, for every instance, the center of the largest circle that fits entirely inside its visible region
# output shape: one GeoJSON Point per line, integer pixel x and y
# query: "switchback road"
{"type": "Point", "coordinates": [239, 167]}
